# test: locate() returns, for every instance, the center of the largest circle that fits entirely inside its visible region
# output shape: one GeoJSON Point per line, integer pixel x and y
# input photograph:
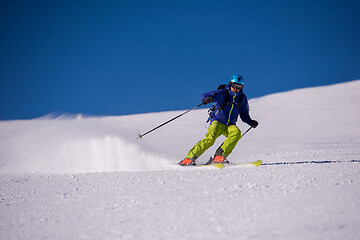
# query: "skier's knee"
{"type": "Point", "coordinates": [209, 141]}
{"type": "Point", "coordinates": [236, 135]}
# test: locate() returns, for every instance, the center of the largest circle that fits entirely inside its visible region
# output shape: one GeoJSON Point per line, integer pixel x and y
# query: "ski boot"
{"type": "Point", "coordinates": [219, 159]}
{"type": "Point", "coordinates": [187, 162]}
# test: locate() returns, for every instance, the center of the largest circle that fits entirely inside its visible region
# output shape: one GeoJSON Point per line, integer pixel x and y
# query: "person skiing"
{"type": "Point", "coordinates": [229, 103]}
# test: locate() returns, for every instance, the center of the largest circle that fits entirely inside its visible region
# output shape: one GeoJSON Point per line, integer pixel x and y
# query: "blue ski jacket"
{"type": "Point", "coordinates": [228, 115]}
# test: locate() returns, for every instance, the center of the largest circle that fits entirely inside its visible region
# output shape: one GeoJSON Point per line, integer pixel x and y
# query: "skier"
{"type": "Point", "coordinates": [229, 103]}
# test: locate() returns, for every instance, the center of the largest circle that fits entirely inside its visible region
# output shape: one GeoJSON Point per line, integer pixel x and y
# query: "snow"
{"type": "Point", "coordinates": [76, 177]}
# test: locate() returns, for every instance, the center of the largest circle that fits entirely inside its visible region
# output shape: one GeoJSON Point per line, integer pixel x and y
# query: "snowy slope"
{"type": "Point", "coordinates": [91, 178]}
{"type": "Point", "coordinates": [307, 122]}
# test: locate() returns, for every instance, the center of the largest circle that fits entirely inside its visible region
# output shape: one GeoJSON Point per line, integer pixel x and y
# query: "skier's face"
{"type": "Point", "coordinates": [236, 87]}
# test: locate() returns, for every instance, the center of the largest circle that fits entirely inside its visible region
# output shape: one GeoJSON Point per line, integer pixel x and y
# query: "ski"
{"type": "Point", "coordinates": [222, 165]}
{"type": "Point", "coordinates": [226, 165]}
{"type": "Point", "coordinates": [250, 164]}
{"type": "Point", "coordinates": [217, 165]}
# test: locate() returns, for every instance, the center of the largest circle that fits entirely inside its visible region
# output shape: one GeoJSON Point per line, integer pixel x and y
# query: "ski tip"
{"type": "Point", "coordinates": [257, 163]}
{"type": "Point", "coordinates": [139, 136]}
{"type": "Point", "coordinates": [250, 164]}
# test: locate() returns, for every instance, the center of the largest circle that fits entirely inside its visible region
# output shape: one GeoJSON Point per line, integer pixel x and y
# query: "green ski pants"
{"type": "Point", "coordinates": [231, 132]}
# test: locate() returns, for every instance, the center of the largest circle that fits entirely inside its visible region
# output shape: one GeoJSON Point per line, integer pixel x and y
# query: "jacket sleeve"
{"type": "Point", "coordinates": [213, 94]}
{"type": "Point", "coordinates": [244, 110]}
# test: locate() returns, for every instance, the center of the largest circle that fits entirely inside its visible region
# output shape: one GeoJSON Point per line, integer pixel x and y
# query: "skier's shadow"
{"type": "Point", "coordinates": [310, 162]}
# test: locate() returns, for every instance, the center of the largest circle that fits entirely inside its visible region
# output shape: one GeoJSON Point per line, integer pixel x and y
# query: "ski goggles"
{"type": "Point", "coordinates": [236, 86]}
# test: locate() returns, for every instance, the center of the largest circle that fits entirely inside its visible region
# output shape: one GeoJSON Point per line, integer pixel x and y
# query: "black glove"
{"type": "Point", "coordinates": [254, 123]}
{"type": "Point", "coordinates": [207, 100]}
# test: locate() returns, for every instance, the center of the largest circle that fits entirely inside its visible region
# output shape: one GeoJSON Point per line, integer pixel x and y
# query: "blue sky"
{"type": "Point", "coordinates": [127, 57]}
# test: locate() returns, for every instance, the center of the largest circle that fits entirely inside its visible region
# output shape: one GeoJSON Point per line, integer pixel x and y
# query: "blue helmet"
{"type": "Point", "coordinates": [237, 79]}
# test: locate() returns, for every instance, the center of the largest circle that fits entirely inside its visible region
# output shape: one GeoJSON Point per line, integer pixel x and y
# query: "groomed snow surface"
{"type": "Point", "coordinates": [75, 177]}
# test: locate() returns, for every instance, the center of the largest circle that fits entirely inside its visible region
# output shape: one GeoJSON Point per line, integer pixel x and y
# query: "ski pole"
{"type": "Point", "coordinates": [141, 135]}
{"type": "Point", "coordinates": [246, 131]}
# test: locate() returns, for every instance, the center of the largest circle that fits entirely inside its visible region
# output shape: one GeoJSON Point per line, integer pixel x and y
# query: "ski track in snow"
{"type": "Point", "coordinates": [90, 178]}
